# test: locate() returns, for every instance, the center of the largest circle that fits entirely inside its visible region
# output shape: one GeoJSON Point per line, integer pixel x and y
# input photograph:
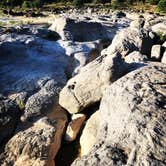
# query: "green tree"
{"type": "Point", "coordinates": [153, 2]}
{"type": "Point", "coordinates": [162, 6]}
{"type": "Point", "coordinates": [78, 3]}
{"type": "Point", "coordinates": [26, 4]}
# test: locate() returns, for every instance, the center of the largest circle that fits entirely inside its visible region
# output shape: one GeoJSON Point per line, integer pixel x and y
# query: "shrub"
{"type": "Point", "coordinates": [161, 37]}
{"type": "Point", "coordinates": [114, 4]}
{"type": "Point", "coordinates": [26, 4]}
{"type": "Point", "coordinates": [101, 1]}
{"type": "Point", "coordinates": [130, 2]}
{"type": "Point", "coordinates": [78, 3]}
{"type": "Point", "coordinates": [153, 2]}
{"type": "Point", "coordinates": [162, 6]}
{"type": "Point", "coordinates": [37, 4]}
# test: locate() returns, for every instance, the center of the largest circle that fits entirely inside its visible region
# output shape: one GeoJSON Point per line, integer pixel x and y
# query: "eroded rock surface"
{"type": "Point", "coordinates": [131, 39]}
{"type": "Point", "coordinates": [9, 117]}
{"type": "Point", "coordinates": [35, 64]}
{"type": "Point", "coordinates": [156, 52]}
{"type": "Point", "coordinates": [87, 87]}
{"type": "Point", "coordinates": [132, 130]}
{"type": "Point", "coordinates": [37, 145]}
{"type": "Point", "coordinates": [71, 29]}
{"type": "Point", "coordinates": [89, 134]}
{"type": "Point", "coordinates": [74, 127]}
{"type": "Point", "coordinates": [135, 57]}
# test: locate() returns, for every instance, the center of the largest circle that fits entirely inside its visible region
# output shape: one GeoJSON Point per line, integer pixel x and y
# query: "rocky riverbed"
{"type": "Point", "coordinates": [90, 89]}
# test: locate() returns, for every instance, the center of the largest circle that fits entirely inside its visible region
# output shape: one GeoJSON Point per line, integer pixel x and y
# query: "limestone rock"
{"type": "Point", "coordinates": [81, 59]}
{"type": "Point", "coordinates": [78, 30]}
{"type": "Point", "coordinates": [138, 23]}
{"type": "Point", "coordinates": [9, 117]}
{"type": "Point", "coordinates": [156, 52]}
{"type": "Point", "coordinates": [37, 145]}
{"type": "Point", "coordinates": [86, 88]}
{"type": "Point", "coordinates": [89, 133]}
{"type": "Point", "coordinates": [163, 60]}
{"type": "Point", "coordinates": [93, 54]}
{"type": "Point", "coordinates": [42, 102]}
{"type": "Point", "coordinates": [74, 127]}
{"type": "Point", "coordinates": [129, 40]}
{"type": "Point", "coordinates": [132, 130]}
{"type": "Point", "coordinates": [154, 22]}
{"type": "Point", "coordinates": [164, 44]}
{"type": "Point", "coordinates": [160, 27]}
{"type": "Point", "coordinates": [135, 57]}
{"type": "Point", "coordinates": [28, 62]}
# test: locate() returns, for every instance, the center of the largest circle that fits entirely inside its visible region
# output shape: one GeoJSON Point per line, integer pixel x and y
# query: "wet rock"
{"type": "Point", "coordinates": [74, 127]}
{"type": "Point", "coordinates": [132, 129]}
{"type": "Point", "coordinates": [78, 30]}
{"type": "Point", "coordinates": [86, 88]}
{"type": "Point", "coordinates": [89, 133]}
{"type": "Point", "coordinates": [9, 117]}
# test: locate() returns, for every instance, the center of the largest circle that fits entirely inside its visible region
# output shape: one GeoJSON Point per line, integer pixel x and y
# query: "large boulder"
{"type": "Point", "coordinates": [131, 39]}
{"type": "Point", "coordinates": [156, 52]}
{"type": "Point", "coordinates": [136, 57]}
{"type": "Point", "coordinates": [132, 126]}
{"type": "Point", "coordinates": [74, 127]}
{"type": "Point", "coordinates": [38, 144]}
{"type": "Point", "coordinates": [78, 30]}
{"type": "Point", "coordinates": [86, 88]}
{"type": "Point", "coordinates": [138, 23]}
{"type": "Point", "coordinates": [42, 102]}
{"type": "Point", "coordinates": [163, 60]}
{"type": "Point", "coordinates": [27, 62]}
{"type": "Point", "coordinates": [160, 27]}
{"type": "Point", "coordinates": [33, 72]}
{"type": "Point", "coordinates": [89, 134]}
{"type": "Point", "coordinates": [9, 117]}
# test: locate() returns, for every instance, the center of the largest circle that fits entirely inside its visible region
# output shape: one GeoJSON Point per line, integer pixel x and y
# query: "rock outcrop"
{"type": "Point", "coordinates": [89, 134]}
{"type": "Point", "coordinates": [131, 39]}
{"type": "Point", "coordinates": [74, 127]}
{"type": "Point", "coordinates": [160, 27]}
{"type": "Point", "coordinates": [37, 145]}
{"type": "Point", "coordinates": [156, 52]}
{"type": "Point", "coordinates": [163, 60]}
{"type": "Point", "coordinates": [78, 30]}
{"type": "Point", "coordinates": [132, 127]}
{"type": "Point", "coordinates": [42, 102]}
{"type": "Point", "coordinates": [87, 87]}
{"type": "Point", "coordinates": [136, 57]}
{"type": "Point", "coordinates": [9, 117]}
{"type": "Point", "coordinates": [96, 50]}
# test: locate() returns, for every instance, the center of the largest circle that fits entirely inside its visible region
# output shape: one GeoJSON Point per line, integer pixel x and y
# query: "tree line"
{"type": "Point", "coordinates": [78, 3]}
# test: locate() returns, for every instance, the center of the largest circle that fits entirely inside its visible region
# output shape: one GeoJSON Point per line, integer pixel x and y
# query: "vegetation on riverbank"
{"type": "Point", "coordinates": [138, 5]}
